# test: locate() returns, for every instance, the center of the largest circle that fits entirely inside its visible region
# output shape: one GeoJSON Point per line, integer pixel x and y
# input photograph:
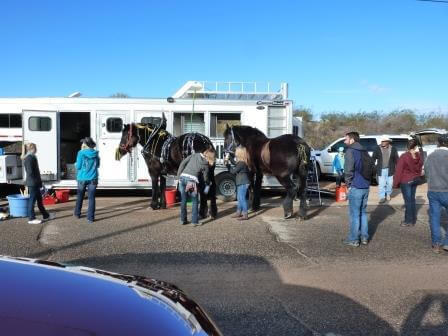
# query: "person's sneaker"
{"type": "Point", "coordinates": [351, 243]}
{"type": "Point", "coordinates": [445, 248]}
{"type": "Point", "coordinates": [236, 215]}
{"type": "Point", "coordinates": [77, 217]}
{"type": "Point", "coordinates": [364, 241]}
{"type": "Point", "coordinates": [382, 201]}
{"type": "Point", "coordinates": [51, 216]}
{"type": "Point", "coordinates": [437, 249]}
{"type": "Point", "coordinates": [388, 197]}
{"type": "Point", "coordinates": [404, 224]}
{"type": "Point", "coordinates": [185, 222]}
{"type": "Point", "coordinates": [244, 217]}
{"type": "Point", "coordinates": [35, 221]}
{"type": "Point", "coordinates": [90, 221]}
{"type": "Point", "coordinates": [198, 224]}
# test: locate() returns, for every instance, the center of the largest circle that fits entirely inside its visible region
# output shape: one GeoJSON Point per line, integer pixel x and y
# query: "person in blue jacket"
{"type": "Point", "coordinates": [338, 166]}
{"type": "Point", "coordinates": [87, 164]}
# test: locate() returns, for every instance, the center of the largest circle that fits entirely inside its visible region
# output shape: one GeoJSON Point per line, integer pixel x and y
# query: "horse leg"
{"type": "Point", "coordinates": [162, 203]}
{"type": "Point", "coordinates": [155, 192]}
{"type": "Point", "coordinates": [257, 191]}
{"type": "Point", "coordinates": [203, 208]}
{"type": "Point", "coordinates": [291, 190]}
{"type": "Point", "coordinates": [212, 194]}
{"type": "Point", "coordinates": [302, 196]}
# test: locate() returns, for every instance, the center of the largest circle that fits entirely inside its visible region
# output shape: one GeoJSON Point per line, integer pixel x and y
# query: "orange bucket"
{"type": "Point", "coordinates": [341, 193]}
{"type": "Point", "coordinates": [170, 196]}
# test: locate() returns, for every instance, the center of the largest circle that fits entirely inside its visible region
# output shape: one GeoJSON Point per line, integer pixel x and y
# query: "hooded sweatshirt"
{"type": "Point", "coordinates": [32, 171]}
{"type": "Point", "coordinates": [87, 164]}
{"type": "Point", "coordinates": [353, 167]}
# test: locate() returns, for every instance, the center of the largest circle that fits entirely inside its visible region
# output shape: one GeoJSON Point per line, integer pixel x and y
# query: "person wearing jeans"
{"type": "Point", "coordinates": [408, 171]}
{"type": "Point", "coordinates": [242, 181]}
{"type": "Point", "coordinates": [188, 173]}
{"type": "Point", "coordinates": [408, 191]}
{"type": "Point", "coordinates": [436, 170]}
{"type": "Point", "coordinates": [90, 186]}
{"type": "Point", "coordinates": [358, 191]}
{"type": "Point", "coordinates": [359, 229]}
{"type": "Point", "coordinates": [386, 157]}
{"type": "Point", "coordinates": [87, 164]}
{"type": "Point", "coordinates": [191, 192]}
{"type": "Point", "coordinates": [34, 183]}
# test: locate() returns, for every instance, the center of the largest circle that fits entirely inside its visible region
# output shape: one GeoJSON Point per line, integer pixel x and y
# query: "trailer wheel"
{"type": "Point", "coordinates": [226, 187]}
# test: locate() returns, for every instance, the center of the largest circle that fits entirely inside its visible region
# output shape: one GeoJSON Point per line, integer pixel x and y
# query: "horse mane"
{"type": "Point", "coordinates": [248, 131]}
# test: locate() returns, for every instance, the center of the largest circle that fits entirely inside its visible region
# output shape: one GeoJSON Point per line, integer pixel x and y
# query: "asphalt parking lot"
{"type": "Point", "coordinates": [266, 276]}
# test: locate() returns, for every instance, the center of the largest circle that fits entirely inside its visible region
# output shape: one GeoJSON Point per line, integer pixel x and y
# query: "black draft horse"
{"type": "Point", "coordinates": [284, 157]}
{"type": "Point", "coordinates": [163, 154]}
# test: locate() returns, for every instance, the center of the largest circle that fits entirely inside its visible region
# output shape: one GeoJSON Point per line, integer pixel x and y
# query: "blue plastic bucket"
{"type": "Point", "coordinates": [18, 205]}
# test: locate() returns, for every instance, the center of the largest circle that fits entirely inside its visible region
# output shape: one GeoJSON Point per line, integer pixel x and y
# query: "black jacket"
{"type": "Point", "coordinates": [377, 155]}
{"type": "Point", "coordinates": [32, 171]}
{"type": "Point", "coordinates": [242, 173]}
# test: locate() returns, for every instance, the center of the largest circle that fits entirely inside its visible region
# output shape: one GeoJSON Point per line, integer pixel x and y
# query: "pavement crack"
{"type": "Point", "coordinates": [293, 316]}
{"type": "Point", "coordinates": [277, 237]}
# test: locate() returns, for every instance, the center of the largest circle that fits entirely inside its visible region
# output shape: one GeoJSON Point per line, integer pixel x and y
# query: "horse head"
{"type": "Point", "coordinates": [129, 139]}
{"type": "Point", "coordinates": [230, 140]}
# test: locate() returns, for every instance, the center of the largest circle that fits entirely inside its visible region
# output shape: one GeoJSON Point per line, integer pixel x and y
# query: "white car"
{"type": "Point", "coordinates": [324, 158]}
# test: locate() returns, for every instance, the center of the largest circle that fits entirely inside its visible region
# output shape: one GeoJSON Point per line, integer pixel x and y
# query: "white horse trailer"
{"type": "Point", "coordinates": [56, 125]}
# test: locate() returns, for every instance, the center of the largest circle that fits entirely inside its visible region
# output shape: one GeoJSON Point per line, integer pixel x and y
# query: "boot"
{"type": "Point", "coordinates": [236, 215]}
{"type": "Point", "coordinates": [244, 216]}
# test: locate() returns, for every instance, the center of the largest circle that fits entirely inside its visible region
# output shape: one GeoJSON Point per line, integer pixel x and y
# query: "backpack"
{"type": "Point", "coordinates": [367, 166]}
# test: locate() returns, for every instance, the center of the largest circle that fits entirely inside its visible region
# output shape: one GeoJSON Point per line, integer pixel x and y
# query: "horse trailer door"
{"type": "Point", "coordinates": [277, 121]}
{"type": "Point", "coordinates": [42, 128]}
{"type": "Point", "coordinates": [110, 126]}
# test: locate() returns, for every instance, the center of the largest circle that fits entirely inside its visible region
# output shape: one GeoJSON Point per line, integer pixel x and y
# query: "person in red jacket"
{"type": "Point", "coordinates": [407, 174]}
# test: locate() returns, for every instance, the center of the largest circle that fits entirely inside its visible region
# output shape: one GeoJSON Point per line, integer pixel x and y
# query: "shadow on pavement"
{"type": "Point", "coordinates": [415, 323]}
{"type": "Point", "coordinates": [245, 295]}
{"type": "Point", "coordinates": [377, 216]}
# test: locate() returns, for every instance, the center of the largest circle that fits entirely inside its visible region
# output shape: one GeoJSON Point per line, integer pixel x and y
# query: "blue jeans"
{"type": "Point", "coordinates": [91, 190]}
{"type": "Point", "coordinates": [437, 200]}
{"type": "Point", "coordinates": [357, 201]}
{"type": "Point", "coordinates": [241, 192]}
{"type": "Point", "coordinates": [408, 191]}
{"type": "Point", "coordinates": [183, 205]}
{"type": "Point", "coordinates": [385, 183]}
{"type": "Point", "coordinates": [36, 196]}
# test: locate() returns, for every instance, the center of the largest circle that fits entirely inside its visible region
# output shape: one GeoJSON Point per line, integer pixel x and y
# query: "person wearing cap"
{"type": "Point", "coordinates": [87, 164]}
{"type": "Point", "coordinates": [386, 157]}
{"type": "Point", "coordinates": [338, 166]}
{"type": "Point", "coordinates": [436, 172]}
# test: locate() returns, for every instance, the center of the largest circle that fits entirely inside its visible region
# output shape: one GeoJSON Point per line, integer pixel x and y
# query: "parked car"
{"type": "Point", "coordinates": [47, 298]}
{"type": "Point", "coordinates": [324, 158]}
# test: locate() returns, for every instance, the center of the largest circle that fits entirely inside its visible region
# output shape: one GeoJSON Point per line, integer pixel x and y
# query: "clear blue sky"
{"type": "Point", "coordinates": [344, 55]}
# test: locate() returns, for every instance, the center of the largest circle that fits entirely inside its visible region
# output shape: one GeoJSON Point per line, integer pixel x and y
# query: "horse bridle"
{"type": "Point", "coordinates": [231, 145]}
{"type": "Point", "coordinates": [128, 145]}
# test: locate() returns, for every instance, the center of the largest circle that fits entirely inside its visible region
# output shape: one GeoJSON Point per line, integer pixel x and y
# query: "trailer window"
{"type": "Point", "coordinates": [151, 120]}
{"type": "Point", "coordinates": [114, 125]}
{"type": "Point", "coordinates": [219, 122]}
{"type": "Point", "coordinates": [41, 124]}
{"type": "Point", "coordinates": [10, 120]}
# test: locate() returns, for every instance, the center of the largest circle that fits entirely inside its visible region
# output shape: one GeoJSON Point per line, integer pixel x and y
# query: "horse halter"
{"type": "Point", "coordinates": [128, 145]}
{"type": "Point", "coordinates": [230, 147]}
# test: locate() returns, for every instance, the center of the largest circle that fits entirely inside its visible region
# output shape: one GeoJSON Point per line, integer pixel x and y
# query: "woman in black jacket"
{"type": "Point", "coordinates": [241, 170]}
{"type": "Point", "coordinates": [34, 183]}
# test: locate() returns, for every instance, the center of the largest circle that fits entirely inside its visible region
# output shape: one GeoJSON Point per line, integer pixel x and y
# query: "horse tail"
{"type": "Point", "coordinates": [303, 158]}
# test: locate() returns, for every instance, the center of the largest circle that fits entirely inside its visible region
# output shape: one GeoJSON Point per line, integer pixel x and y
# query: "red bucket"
{"type": "Point", "coordinates": [170, 196]}
{"type": "Point", "coordinates": [341, 193]}
{"type": "Point", "coordinates": [63, 195]}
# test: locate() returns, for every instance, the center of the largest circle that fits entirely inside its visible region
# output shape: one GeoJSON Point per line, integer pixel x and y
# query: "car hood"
{"type": "Point", "coordinates": [42, 298]}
